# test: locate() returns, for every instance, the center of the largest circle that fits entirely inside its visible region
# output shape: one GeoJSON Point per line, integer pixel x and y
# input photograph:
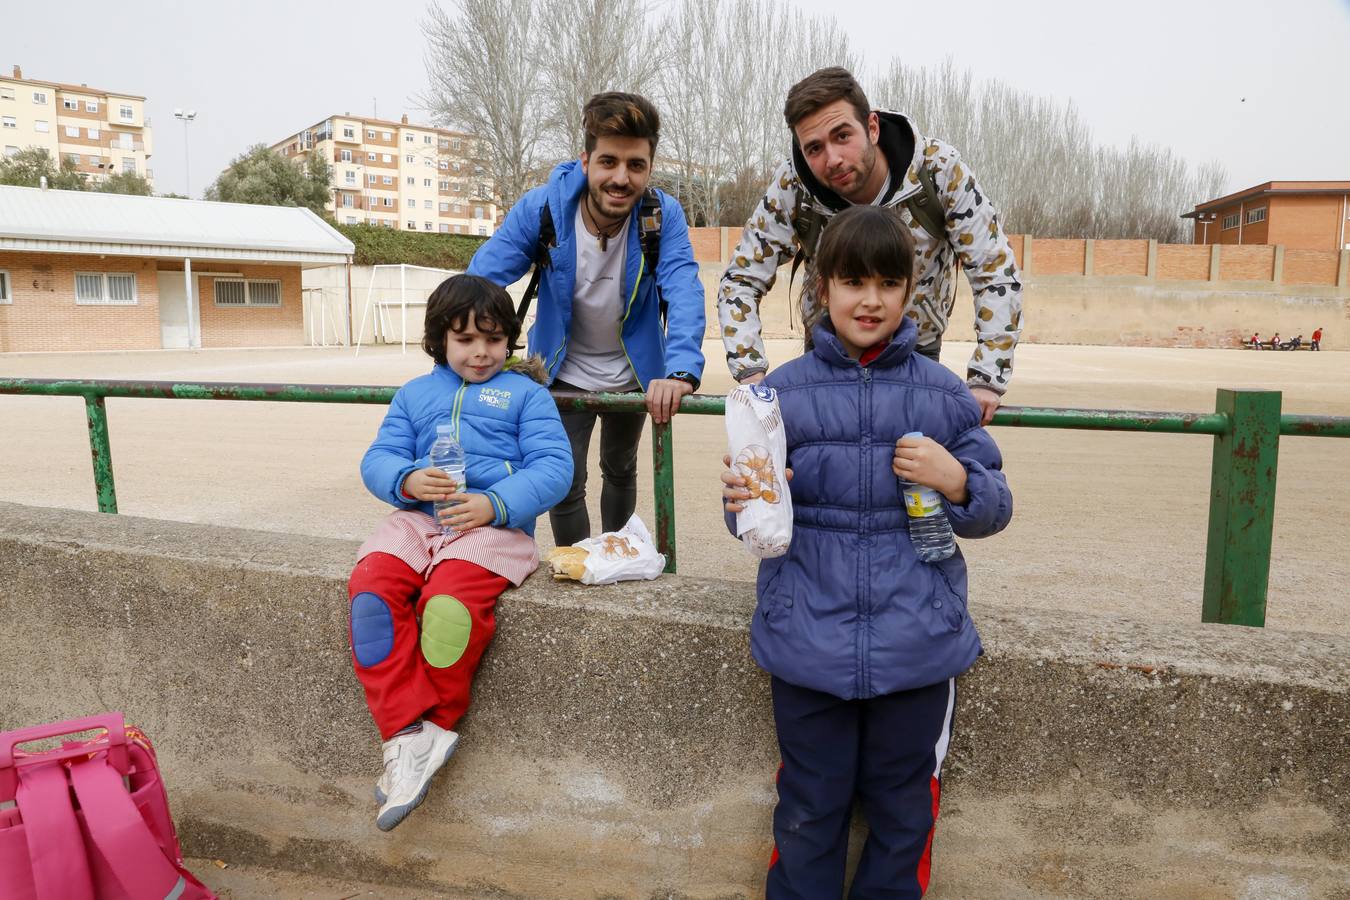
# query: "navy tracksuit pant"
{"type": "Point", "coordinates": [887, 752]}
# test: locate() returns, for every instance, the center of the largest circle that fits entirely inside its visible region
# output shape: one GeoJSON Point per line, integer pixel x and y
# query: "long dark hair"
{"type": "Point", "coordinates": [460, 299]}
{"type": "Point", "coordinates": [861, 242]}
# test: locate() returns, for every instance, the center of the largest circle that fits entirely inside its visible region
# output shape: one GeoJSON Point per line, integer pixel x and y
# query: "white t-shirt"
{"type": "Point", "coordinates": [595, 359]}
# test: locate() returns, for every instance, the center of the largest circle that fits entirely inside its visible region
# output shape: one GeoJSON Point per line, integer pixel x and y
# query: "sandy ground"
{"type": "Point", "coordinates": [1113, 522]}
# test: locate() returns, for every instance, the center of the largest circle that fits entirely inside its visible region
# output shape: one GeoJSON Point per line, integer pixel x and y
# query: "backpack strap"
{"type": "Point", "coordinates": [548, 238]}
{"type": "Point", "coordinates": [926, 207]}
{"type": "Point", "coordinates": [649, 238]}
{"type": "Point", "coordinates": [56, 853]}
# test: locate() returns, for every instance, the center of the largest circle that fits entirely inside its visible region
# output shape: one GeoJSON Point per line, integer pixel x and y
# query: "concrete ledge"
{"type": "Point", "coordinates": [621, 742]}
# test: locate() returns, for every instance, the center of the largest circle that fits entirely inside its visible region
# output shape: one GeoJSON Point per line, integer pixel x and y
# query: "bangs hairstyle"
{"type": "Point", "coordinates": [616, 114]}
{"type": "Point", "coordinates": [463, 299]}
{"type": "Point", "coordinates": [821, 88]}
{"type": "Point", "coordinates": [861, 242]}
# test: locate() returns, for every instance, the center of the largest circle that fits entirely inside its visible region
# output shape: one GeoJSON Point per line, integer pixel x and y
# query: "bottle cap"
{"type": "Point", "coordinates": [445, 428]}
{"type": "Point", "coordinates": [913, 434]}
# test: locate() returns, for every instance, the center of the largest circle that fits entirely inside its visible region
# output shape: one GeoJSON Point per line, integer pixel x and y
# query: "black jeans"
{"type": "Point", "coordinates": [620, 434]}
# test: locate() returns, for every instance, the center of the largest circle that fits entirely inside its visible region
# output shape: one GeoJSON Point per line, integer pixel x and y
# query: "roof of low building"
{"type": "Point", "coordinates": [51, 221]}
{"type": "Point", "coordinates": [1268, 188]}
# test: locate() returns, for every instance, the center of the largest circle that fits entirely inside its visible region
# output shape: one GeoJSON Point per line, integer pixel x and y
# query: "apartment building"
{"type": "Point", "coordinates": [398, 175]}
{"type": "Point", "coordinates": [100, 132]}
{"type": "Point", "coordinates": [1300, 215]}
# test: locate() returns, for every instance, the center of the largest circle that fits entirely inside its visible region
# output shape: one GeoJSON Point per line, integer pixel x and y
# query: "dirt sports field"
{"type": "Point", "coordinates": [1104, 521]}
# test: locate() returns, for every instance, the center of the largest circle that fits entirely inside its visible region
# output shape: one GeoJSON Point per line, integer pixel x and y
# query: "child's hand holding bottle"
{"type": "Point", "coordinates": [924, 461]}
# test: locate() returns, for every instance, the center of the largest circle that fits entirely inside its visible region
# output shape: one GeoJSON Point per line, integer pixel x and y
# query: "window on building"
{"type": "Point", "coordinates": [1256, 215]}
{"type": "Point", "coordinates": [387, 135]}
{"type": "Point", "coordinates": [478, 212]}
{"type": "Point", "coordinates": [73, 158]}
{"type": "Point", "coordinates": [426, 182]}
{"type": "Point", "coordinates": [93, 133]}
{"type": "Point", "coordinates": [125, 141]}
{"type": "Point", "coordinates": [40, 125]}
{"type": "Point", "coordinates": [71, 104]}
{"type": "Point", "coordinates": [11, 150]}
{"type": "Point", "coordinates": [444, 185]}
{"type": "Point", "coordinates": [459, 187]}
{"type": "Point", "coordinates": [459, 208]}
{"type": "Point", "coordinates": [387, 201]}
{"type": "Point", "coordinates": [6, 93]}
{"type": "Point", "coordinates": [351, 220]}
{"type": "Point", "coordinates": [348, 132]}
{"type": "Point", "coordinates": [105, 289]}
{"type": "Point", "coordinates": [345, 156]}
{"type": "Point", "coordinates": [91, 106]}
{"type": "Point", "coordinates": [1229, 222]}
{"type": "Point", "coordinates": [409, 138]}
{"type": "Point", "coordinates": [426, 139]}
{"type": "Point", "coordinates": [129, 165]}
{"type": "Point", "coordinates": [412, 182]}
{"type": "Point", "coordinates": [40, 98]}
{"type": "Point", "coordinates": [370, 134]}
{"type": "Point", "coordinates": [428, 226]}
{"type": "Point", "coordinates": [387, 179]}
{"type": "Point", "coordinates": [445, 228]}
{"type": "Point", "coordinates": [126, 113]}
{"type": "Point", "coordinates": [370, 157]}
{"type": "Point", "coordinates": [350, 177]}
{"type": "Point", "coordinates": [9, 122]}
{"type": "Point", "coordinates": [408, 158]}
{"type": "Point", "coordinates": [412, 226]}
{"type": "Point", "coordinates": [444, 164]}
{"type": "Point", "coordinates": [72, 131]}
{"type": "Point", "coordinates": [412, 204]}
{"type": "Point", "coordinates": [455, 144]}
{"type": "Point", "coordinates": [247, 292]}
{"type": "Point", "coordinates": [386, 157]}
{"type": "Point", "coordinates": [443, 143]}
{"type": "Point", "coordinates": [371, 179]}
{"type": "Point", "coordinates": [482, 229]}
{"type": "Point", "coordinates": [445, 207]}
{"type": "Point", "coordinates": [455, 166]}
{"type": "Point", "coordinates": [348, 201]}
{"type": "Point", "coordinates": [426, 204]}
{"type": "Point", "coordinates": [5, 295]}
{"type": "Point", "coordinates": [459, 229]}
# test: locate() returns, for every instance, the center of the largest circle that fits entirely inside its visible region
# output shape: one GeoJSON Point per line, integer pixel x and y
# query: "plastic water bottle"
{"type": "Point", "coordinates": [929, 527]}
{"type": "Point", "coordinates": [448, 456]}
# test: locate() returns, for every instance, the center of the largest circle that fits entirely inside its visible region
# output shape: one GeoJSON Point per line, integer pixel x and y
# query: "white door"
{"type": "Point", "coordinates": [174, 333]}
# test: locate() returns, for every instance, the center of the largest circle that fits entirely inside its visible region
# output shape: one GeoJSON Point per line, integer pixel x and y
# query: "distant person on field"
{"type": "Point", "coordinates": [421, 600]}
{"type": "Point", "coordinates": [844, 153]}
{"type": "Point", "coordinates": [609, 318]}
{"type": "Point", "coordinates": [1275, 341]}
{"type": "Point", "coordinates": [1316, 339]}
{"type": "Point", "coordinates": [863, 640]}
{"type": "Point", "coordinates": [1256, 340]}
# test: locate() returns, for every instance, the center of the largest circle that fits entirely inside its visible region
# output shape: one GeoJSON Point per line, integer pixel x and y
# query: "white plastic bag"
{"type": "Point", "coordinates": [757, 444]}
{"type": "Point", "coordinates": [628, 554]}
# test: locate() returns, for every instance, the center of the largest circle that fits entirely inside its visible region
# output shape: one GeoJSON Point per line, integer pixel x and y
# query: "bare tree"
{"type": "Point", "coordinates": [591, 46]}
{"type": "Point", "coordinates": [483, 76]}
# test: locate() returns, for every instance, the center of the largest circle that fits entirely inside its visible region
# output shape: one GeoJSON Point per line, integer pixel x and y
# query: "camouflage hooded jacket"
{"type": "Point", "coordinates": [974, 238]}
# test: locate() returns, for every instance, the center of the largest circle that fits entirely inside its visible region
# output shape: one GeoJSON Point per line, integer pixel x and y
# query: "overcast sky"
{"type": "Point", "coordinates": [1258, 85]}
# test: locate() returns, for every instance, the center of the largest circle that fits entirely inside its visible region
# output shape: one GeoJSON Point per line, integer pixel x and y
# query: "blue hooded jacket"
{"type": "Point", "coordinates": [850, 610]}
{"type": "Point", "coordinates": [653, 351]}
{"type": "Point", "coordinates": [515, 449]}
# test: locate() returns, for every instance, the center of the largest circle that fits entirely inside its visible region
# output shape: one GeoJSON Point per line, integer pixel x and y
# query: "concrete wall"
{"type": "Point", "coordinates": [621, 746]}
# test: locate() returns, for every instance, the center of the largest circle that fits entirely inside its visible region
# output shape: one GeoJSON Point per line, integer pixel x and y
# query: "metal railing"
{"type": "Point", "coordinates": [1246, 426]}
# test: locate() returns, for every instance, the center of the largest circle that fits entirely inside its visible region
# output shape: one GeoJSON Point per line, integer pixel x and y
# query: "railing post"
{"type": "Point", "coordinates": [1241, 508]}
{"type": "Point", "coordinates": [100, 451]}
{"type": "Point", "coordinates": [663, 481]}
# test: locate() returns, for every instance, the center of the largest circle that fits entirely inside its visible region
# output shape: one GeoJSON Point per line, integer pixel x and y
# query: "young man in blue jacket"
{"type": "Point", "coordinates": [620, 304]}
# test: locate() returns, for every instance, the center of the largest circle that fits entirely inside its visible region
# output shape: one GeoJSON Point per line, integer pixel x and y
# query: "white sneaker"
{"type": "Point", "coordinates": [410, 761]}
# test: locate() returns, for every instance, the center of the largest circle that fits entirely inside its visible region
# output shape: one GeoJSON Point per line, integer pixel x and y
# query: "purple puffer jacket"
{"type": "Point", "coordinates": [850, 610]}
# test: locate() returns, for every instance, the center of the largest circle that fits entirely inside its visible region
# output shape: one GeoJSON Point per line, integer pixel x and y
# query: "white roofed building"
{"type": "Point", "coordinates": [93, 271]}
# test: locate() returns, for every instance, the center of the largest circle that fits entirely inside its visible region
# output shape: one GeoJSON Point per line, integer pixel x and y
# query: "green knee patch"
{"type": "Point", "coordinates": [446, 624]}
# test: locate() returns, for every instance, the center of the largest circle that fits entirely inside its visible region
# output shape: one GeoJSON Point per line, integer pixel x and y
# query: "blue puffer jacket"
{"type": "Point", "coordinates": [515, 448]}
{"type": "Point", "coordinates": [850, 610]}
{"type": "Point", "coordinates": [653, 351]}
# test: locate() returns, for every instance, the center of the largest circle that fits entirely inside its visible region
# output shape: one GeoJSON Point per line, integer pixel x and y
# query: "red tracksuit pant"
{"type": "Point", "coordinates": [416, 645]}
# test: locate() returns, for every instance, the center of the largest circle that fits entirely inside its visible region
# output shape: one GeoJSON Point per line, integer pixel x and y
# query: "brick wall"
{"type": "Point", "coordinates": [1117, 257]}
{"type": "Point", "coordinates": [1256, 263]}
{"type": "Point", "coordinates": [1183, 262]}
{"type": "Point", "coordinates": [1309, 267]}
{"type": "Point", "coordinates": [42, 314]}
{"type": "Point", "coordinates": [1051, 256]}
{"type": "Point", "coordinates": [232, 326]}
{"type": "Point", "coordinates": [1310, 223]}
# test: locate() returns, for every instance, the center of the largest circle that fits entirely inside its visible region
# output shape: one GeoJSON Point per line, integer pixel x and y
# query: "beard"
{"type": "Point", "coordinates": [862, 172]}
{"type": "Point", "coordinates": [606, 205]}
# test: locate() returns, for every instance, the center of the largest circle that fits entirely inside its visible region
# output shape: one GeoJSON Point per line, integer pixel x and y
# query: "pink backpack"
{"type": "Point", "coordinates": [90, 820]}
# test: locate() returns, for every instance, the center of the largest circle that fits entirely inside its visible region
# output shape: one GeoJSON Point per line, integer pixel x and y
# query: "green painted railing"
{"type": "Point", "coordinates": [1246, 427]}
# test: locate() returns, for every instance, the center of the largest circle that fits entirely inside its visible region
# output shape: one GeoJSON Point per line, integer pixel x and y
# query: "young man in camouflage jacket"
{"type": "Point", "coordinates": [843, 152]}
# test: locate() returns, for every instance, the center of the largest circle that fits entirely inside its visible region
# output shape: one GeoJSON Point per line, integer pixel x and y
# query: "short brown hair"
{"type": "Point", "coordinates": [463, 300]}
{"type": "Point", "coordinates": [821, 88]}
{"type": "Point", "coordinates": [616, 114]}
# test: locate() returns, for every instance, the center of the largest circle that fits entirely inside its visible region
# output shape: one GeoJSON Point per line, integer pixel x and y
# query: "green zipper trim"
{"type": "Point", "coordinates": [457, 407]}
{"type": "Point", "coordinates": [642, 265]}
{"type": "Point", "coordinates": [509, 470]}
{"type": "Point", "coordinates": [498, 505]}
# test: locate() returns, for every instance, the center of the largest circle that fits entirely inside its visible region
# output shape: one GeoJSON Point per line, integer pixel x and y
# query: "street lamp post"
{"type": "Point", "coordinates": [185, 118]}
